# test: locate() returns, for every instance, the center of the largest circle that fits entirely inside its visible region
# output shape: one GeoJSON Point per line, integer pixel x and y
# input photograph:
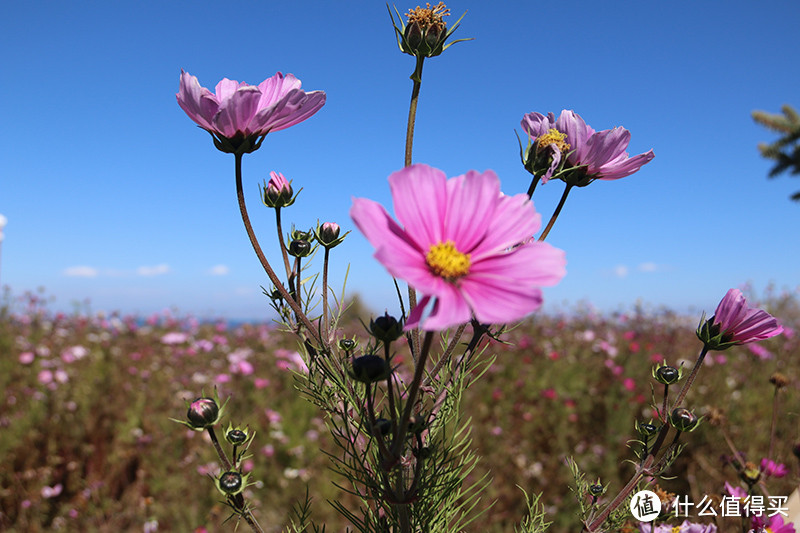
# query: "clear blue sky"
{"type": "Point", "coordinates": [113, 194]}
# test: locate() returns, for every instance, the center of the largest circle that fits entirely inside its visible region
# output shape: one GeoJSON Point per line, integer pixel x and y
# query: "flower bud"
{"type": "Point", "coordinates": [231, 483]}
{"type": "Point", "coordinates": [597, 489]}
{"type": "Point", "coordinates": [386, 328]}
{"type": "Point", "coordinates": [646, 429]}
{"type": "Point", "coordinates": [203, 413]}
{"type": "Point", "coordinates": [236, 436]}
{"type": "Point", "coordinates": [278, 192]}
{"type": "Point", "coordinates": [383, 427]}
{"type": "Point", "coordinates": [683, 419]}
{"type": "Point", "coordinates": [300, 235]}
{"type": "Point", "coordinates": [348, 345]}
{"type": "Point", "coordinates": [328, 234]}
{"type": "Point", "coordinates": [370, 368]}
{"type": "Point", "coordinates": [299, 248]}
{"type": "Point", "coordinates": [667, 375]}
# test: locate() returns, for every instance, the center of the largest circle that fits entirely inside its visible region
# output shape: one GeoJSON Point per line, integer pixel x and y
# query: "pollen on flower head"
{"type": "Point", "coordinates": [429, 17]}
{"type": "Point", "coordinates": [447, 262]}
{"type": "Point", "coordinates": [553, 136]}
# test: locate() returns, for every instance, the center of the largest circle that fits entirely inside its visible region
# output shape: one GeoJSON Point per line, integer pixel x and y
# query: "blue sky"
{"type": "Point", "coordinates": [113, 195]}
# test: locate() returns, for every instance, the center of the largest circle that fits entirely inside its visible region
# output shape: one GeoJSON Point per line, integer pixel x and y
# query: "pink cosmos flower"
{"type": "Point", "coordinates": [736, 323]}
{"type": "Point", "coordinates": [772, 524]}
{"type": "Point", "coordinates": [240, 113]}
{"type": "Point", "coordinates": [602, 154]}
{"type": "Point", "coordinates": [465, 246]}
{"type": "Point", "coordinates": [772, 469]}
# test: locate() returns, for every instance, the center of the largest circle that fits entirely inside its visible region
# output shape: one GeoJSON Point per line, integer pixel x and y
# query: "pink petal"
{"type": "Point", "coordinates": [196, 101]}
{"type": "Point", "coordinates": [471, 202]}
{"type": "Point", "coordinates": [226, 88]}
{"type": "Point", "coordinates": [515, 221]}
{"type": "Point", "coordinates": [235, 112]}
{"type": "Point", "coordinates": [450, 309]}
{"type": "Point", "coordinates": [419, 193]}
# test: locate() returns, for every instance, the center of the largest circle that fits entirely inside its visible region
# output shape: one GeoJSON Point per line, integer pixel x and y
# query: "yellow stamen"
{"type": "Point", "coordinates": [430, 16]}
{"type": "Point", "coordinates": [447, 262]}
{"type": "Point", "coordinates": [553, 136]}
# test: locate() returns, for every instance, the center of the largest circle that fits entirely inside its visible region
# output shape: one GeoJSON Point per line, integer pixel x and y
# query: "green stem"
{"type": "Point", "coordinates": [691, 378]}
{"type": "Point", "coordinates": [412, 117]}
{"type": "Point", "coordinates": [556, 212]}
{"type": "Point", "coordinates": [325, 322]}
{"type": "Point", "coordinates": [282, 244]}
{"type": "Point", "coordinates": [419, 372]}
{"type": "Point", "coordinates": [226, 463]}
{"type": "Point", "coordinates": [532, 188]}
{"type": "Point", "coordinates": [262, 258]}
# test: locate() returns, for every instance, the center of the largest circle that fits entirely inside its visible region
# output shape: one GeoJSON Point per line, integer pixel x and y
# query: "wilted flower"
{"type": "Point", "coordinates": [425, 33]}
{"type": "Point", "coordinates": [464, 245]}
{"type": "Point", "coordinates": [238, 115]}
{"type": "Point", "coordinates": [735, 323]}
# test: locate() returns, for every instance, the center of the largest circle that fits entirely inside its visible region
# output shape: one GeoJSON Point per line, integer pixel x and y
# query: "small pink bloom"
{"type": "Point", "coordinates": [740, 324]}
{"type": "Point", "coordinates": [222, 378]}
{"type": "Point", "coordinates": [772, 469]}
{"type": "Point", "coordinates": [52, 492]}
{"type": "Point", "coordinates": [772, 524]}
{"type": "Point", "coordinates": [759, 351]}
{"type": "Point", "coordinates": [497, 430]}
{"type": "Point", "coordinates": [261, 383]}
{"type": "Point", "coordinates": [736, 492]}
{"type": "Point", "coordinates": [629, 384]}
{"type": "Point", "coordinates": [45, 377]}
{"type": "Point", "coordinates": [26, 358]}
{"type": "Point", "coordinates": [549, 394]}
{"type": "Point", "coordinates": [174, 337]}
{"type": "Point", "coordinates": [465, 246]}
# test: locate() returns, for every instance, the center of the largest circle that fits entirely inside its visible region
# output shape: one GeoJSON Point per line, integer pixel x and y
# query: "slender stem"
{"type": "Point", "coordinates": [226, 463]}
{"type": "Point", "coordinates": [664, 405]}
{"type": "Point", "coordinates": [773, 423]}
{"type": "Point", "coordinates": [262, 258]}
{"type": "Point", "coordinates": [412, 117]}
{"type": "Point", "coordinates": [691, 378]}
{"type": "Point", "coordinates": [419, 372]}
{"type": "Point", "coordinates": [282, 244]}
{"type": "Point", "coordinates": [412, 110]}
{"type": "Point", "coordinates": [532, 188]}
{"type": "Point", "coordinates": [556, 212]}
{"type": "Point", "coordinates": [325, 322]}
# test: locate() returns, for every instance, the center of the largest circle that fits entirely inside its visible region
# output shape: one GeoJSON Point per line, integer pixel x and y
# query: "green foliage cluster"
{"type": "Point", "coordinates": [786, 150]}
{"type": "Point", "coordinates": [99, 453]}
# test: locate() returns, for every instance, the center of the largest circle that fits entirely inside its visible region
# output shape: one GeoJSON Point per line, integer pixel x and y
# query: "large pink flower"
{"type": "Point", "coordinates": [463, 244]}
{"type": "Point", "coordinates": [238, 111]}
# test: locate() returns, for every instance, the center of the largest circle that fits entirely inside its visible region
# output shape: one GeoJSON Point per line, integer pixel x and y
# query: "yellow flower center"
{"type": "Point", "coordinates": [447, 262]}
{"type": "Point", "coordinates": [553, 136]}
{"type": "Point", "coordinates": [427, 17]}
{"type": "Point", "coordinates": [676, 529]}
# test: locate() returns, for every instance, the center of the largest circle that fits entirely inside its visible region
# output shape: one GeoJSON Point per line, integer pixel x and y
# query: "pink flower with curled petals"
{"type": "Point", "coordinates": [735, 323]}
{"type": "Point", "coordinates": [239, 115]}
{"type": "Point", "coordinates": [463, 244]}
{"type": "Point", "coordinates": [604, 155]}
{"type": "Point", "coordinates": [596, 154]}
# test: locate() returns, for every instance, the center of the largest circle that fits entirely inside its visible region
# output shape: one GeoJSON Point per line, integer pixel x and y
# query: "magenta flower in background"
{"type": "Point", "coordinates": [238, 114]}
{"type": "Point", "coordinates": [465, 246]}
{"type": "Point", "coordinates": [735, 323]}
{"type": "Point", "coordinates": [772, 469]}
{"type": "Point", "coordinates": [772, 524]}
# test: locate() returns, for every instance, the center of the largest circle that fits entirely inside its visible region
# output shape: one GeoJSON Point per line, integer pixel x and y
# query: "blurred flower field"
{"type": "Point", "coordinates": [88, 445]}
